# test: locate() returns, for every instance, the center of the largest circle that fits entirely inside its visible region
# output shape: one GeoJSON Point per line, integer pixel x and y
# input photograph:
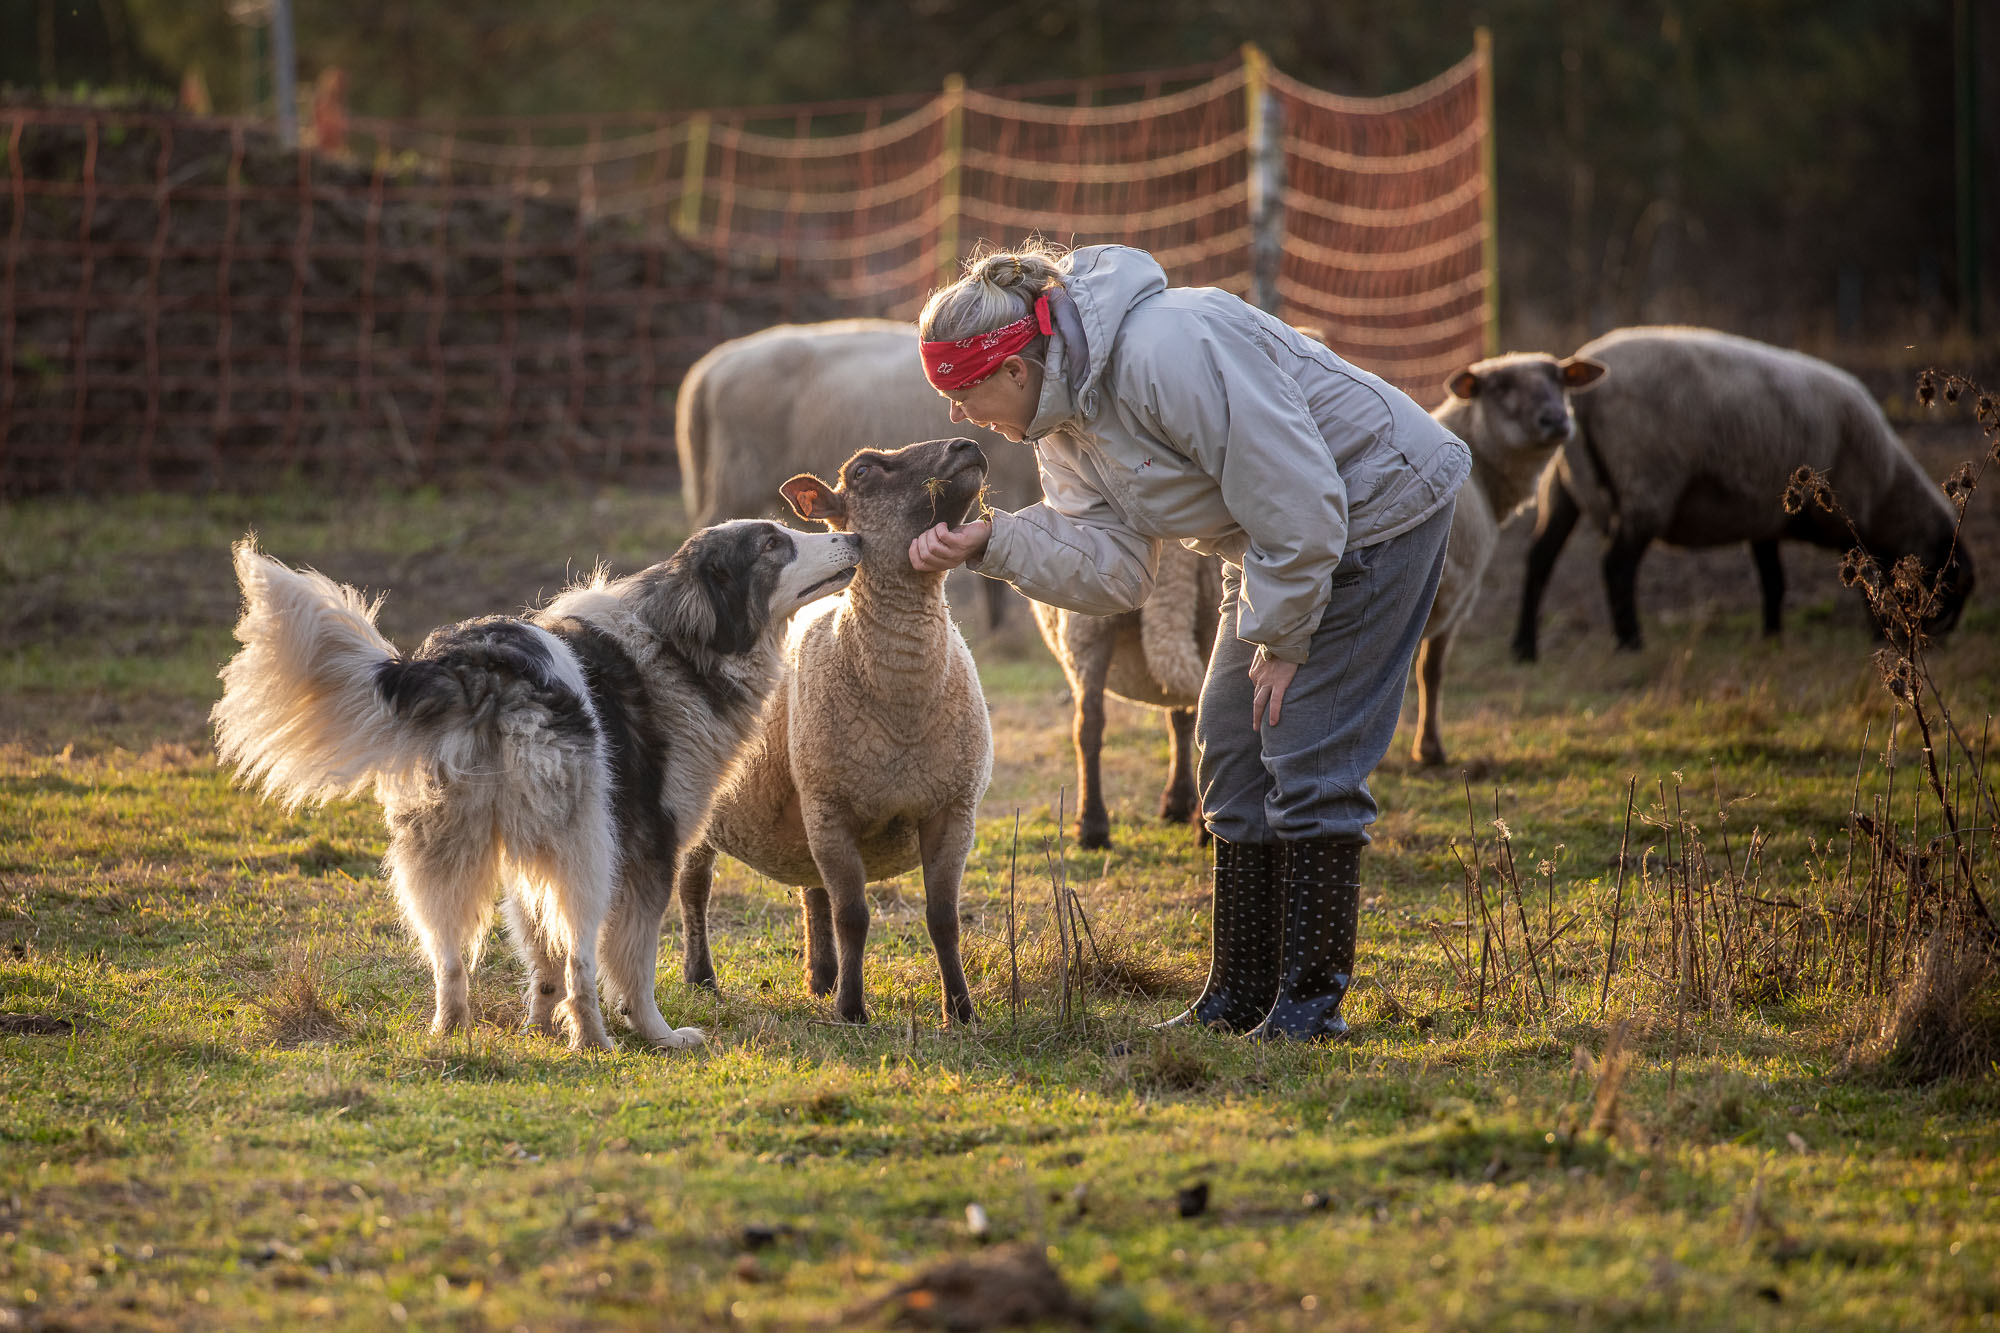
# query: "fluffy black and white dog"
{"type": "Point", "coordinates": [568, 753]}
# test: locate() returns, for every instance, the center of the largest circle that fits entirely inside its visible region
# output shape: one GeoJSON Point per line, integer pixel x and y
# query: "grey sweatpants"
{"type": "Point", "coordinates": [1307, 777]}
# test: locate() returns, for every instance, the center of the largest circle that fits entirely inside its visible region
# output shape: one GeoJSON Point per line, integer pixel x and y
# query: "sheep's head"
{"type": "Point", "coordinates": [1520, 402]}
{"type": "Point", "coordinates": [887, 496]}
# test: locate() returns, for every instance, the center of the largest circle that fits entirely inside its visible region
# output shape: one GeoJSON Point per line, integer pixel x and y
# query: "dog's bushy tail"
{"type": "Point", "coordinates": [302, 714]}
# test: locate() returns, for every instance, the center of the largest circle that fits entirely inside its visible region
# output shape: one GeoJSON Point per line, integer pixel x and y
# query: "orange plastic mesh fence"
{"type": "Point", "coordinates": [183, 302]}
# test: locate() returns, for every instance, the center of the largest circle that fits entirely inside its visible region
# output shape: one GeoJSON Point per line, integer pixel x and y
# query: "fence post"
{"type": "Point", "coordinates": [1489, 199]}
{"type": "Point", "coordinates": [1266, 165]}
{"type": "Point", "coordinates": [285, 73]}
{"type": "Point", "coordinates": [948, 187]}
{"type": "Point", "coordinates": [688, 222]}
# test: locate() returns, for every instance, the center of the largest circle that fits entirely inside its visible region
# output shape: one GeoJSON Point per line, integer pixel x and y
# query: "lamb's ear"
{"type": "Point", "coordinates": [1580, 372]}
{"type": "Point", "coordinates": [811, 498]}
{"type": "Point", "coordinates": [1465, 384]}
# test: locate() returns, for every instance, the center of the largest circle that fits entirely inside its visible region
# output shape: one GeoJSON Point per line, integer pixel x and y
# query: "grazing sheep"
{"type": "Point", "coordinates": [801, 398]}
{"type": "Point", "coordinates": [877, 747]}
{"type": "Point", "coordinates": [1513, 412]}
{"type": "Point", "coordinates": [1156, 655]}
{"type": "Point", "coordinates": [1692, 441]}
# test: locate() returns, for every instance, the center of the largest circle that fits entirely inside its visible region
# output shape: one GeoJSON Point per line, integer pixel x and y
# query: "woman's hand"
{"type": "Point", "coordinates": [1271, 676]}
{"type": "Point", "coordinates": [945, 547]}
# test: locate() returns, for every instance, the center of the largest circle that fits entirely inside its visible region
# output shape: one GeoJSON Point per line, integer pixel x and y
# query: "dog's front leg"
{"type": "Point", "coordinates": [631, 953]}
{"type": "Point", "coordinates": [846, 879]}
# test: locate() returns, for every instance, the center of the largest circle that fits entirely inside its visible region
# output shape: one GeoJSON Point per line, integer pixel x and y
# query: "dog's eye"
{"type": "Point", "coordinates": [771, 543]}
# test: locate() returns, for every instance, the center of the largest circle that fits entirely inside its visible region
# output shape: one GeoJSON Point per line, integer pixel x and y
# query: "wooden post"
{"type": "Point", "coordinates": [693, 172]}
{"type": "Point", "coordinates": [948, 184]}
{"type": "Point", "coordinates": [1265, 153]}
{"type": "Point", "coordinates": [1489, 207]}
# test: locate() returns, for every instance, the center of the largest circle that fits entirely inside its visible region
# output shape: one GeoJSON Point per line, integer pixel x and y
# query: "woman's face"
{"type": "Point", "coordinates": [1004, 401]}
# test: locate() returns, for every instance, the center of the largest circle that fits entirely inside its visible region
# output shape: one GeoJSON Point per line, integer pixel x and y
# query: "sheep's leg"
{"type": "Point", "coordinates": [1093, 823]}
{"type": "Point", "coordinates": [692, 883]}
{"type": "Point", "coordinates": [1621, 587]}
{"type": "Point", "coordinates": [1555, 519]}
{"type": "Point", "coordinates": [822, 965]}
{"type": "Point", "coordinates": [846, 878]}
{"type": "Point", "coordinates": [1771, 578]}
{"type": "Point", "coordinates": [944, 840]}
{"type": "Point", "coordinates": [1429, 749]}
{"type": "Point", "coordinates": [1180, 803]}
{"type": "Point", "coordinates": [997, 595]}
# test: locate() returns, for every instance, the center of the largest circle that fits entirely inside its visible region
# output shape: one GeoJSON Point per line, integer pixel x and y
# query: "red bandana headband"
{"type": "Point", "coordinates": [966, 361]}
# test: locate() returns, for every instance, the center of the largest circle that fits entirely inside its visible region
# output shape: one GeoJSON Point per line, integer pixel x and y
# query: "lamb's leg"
{"type": "Point", "coordinates": [1555, 519]}
{"type": "Point", "coordinates": [1621, 587]}
{"type": "Point", "coordinates": [1429, 749]}
{"type": "Point", "coordinates": [444, 875]}
{"type": "Point", "coordinates": [822, 964]}
{"type": "Point", "coordinates": [692, 883]}
{"type": "Point", "coordinates": [945, 839]}
{"type": "Point", "coordinates": [1093, 823]}
{"type": "Point", "coordinates": [1771, 578]}
{"type": "Point", "coordinates": [543, 969]}
{"type": "Point", "coordinates": [845, 876]}
{"type": "Point", "coordinates": [1180, 803]}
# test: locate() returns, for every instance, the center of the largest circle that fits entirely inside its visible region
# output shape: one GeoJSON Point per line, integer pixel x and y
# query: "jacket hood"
{"type": "Point", "coordinates": [1104, 282]}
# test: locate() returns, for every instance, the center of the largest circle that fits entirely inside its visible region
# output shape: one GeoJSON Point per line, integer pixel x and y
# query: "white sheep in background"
{"type": "Point", "coordinates": [1513, 412]}
{"type": "Point", "coordinates": [1692, 441]}
{"type": "Point", "coordinates": [801, 398]}
{"type": "Point", "coordinates": [877, 747]}
{"type": "Point", "coordinates": [1156, 656]}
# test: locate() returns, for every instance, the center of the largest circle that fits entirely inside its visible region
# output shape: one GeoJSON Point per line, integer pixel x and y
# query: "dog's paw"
{"type": "Point", "coordinates": [679, 1039]}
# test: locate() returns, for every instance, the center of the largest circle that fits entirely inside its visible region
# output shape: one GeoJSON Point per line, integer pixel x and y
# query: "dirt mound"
{"type": "Point", "coordinates": [194, 305]}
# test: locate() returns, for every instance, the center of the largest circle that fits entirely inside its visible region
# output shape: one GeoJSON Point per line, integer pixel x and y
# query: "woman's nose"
{"type": "Point", "coordinates": [958, 412]}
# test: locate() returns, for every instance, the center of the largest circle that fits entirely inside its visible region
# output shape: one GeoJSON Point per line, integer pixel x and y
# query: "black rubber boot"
{"type": "Point", "coordinates": [1249, 929]}
{"type": "Point", "coordinates": [1322, 878]}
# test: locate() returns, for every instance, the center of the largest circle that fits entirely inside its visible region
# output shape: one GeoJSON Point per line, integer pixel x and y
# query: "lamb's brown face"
{"type": "Point", "coordinates": [887, 496]}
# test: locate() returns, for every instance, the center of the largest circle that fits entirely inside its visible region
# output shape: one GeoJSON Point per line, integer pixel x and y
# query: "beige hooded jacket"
{"type": "Point", "coordinates": [1202, 419]}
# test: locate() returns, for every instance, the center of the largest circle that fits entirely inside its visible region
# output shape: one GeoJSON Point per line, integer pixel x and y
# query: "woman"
{"type": "Point", "coordinates": [1187, 414]}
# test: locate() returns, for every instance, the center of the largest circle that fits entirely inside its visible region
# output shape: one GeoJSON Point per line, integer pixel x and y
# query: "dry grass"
{"type": "Point", "coordinates": [1946, 1020]}
{"type": "Point", "coordinates": [294, 1005]}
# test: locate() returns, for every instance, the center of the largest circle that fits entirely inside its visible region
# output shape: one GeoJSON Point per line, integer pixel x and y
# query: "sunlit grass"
{"type": "Point", "coordinates": [249, 1126]}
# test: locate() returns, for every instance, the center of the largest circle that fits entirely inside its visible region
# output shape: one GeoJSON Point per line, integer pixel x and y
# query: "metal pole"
{"type": "Point", "coordinates": [1266, 166]}
{"type": "Point", "coordinates": [1489, 207]}
{"type": "Point", "coordinates": [284, 73]}
{"type": "Point", "coordinates": [954, 153]}
{"type": "Point", "coordinates": [1965, 42]}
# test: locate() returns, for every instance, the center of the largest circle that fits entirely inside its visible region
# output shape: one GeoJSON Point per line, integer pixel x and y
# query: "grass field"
{"type": "Point", "coordinates": [219, 1106]}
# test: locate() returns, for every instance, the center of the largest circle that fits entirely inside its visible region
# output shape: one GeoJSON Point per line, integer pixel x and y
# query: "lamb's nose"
{"type": "Point", "coordinates": [1553, 423]}
{"type": "Point", "coordinates": [964, 446]}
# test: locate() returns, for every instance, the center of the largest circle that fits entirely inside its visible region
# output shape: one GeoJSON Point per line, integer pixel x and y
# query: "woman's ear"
{"type": "Point", "coordinates": [811, 498]}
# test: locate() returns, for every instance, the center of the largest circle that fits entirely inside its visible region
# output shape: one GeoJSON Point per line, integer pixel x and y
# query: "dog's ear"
{"type": "Point", "coordinates": [811, 498]}
{"type": "Point", "coordinates": [737, 616]}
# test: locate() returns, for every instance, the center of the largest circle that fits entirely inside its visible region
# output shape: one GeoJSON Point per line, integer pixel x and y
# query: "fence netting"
{"type": "Point", "coordinates": [183, 302]}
